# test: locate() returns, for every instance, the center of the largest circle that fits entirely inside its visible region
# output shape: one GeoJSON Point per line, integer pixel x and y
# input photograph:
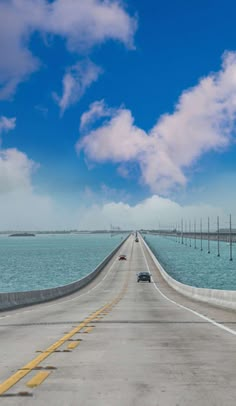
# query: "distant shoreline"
{"type": "Point", "coordinates": [25, 233]}
{"type": "Point", "coordinates": [22, 235]}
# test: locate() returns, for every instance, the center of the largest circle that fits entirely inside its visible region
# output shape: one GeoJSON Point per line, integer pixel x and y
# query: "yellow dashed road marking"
{"type": "Point", "coordinates": [16, 377]}
{"type": "Point", "coordinates": [73, 345]}
{"type": "Point", "coordinates": [88, 329]}
{"type": "Point", "coordinates": [38, 379]}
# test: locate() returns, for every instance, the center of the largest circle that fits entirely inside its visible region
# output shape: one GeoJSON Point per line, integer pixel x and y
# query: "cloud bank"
{"type": "Point", "coordinates": [203, 121]}
{"type": "Point", "coordinates": [35, 211]}
{"type": "Point", "coordinates": [82, 25]}
{"type": "Point", "coordinates": [152, 213]}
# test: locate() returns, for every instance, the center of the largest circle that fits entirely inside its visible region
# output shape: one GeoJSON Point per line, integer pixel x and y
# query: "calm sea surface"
{"type": "Point", "coordinates": [193, 266]}
{"type": "Point", "coordinates": [45, 261]}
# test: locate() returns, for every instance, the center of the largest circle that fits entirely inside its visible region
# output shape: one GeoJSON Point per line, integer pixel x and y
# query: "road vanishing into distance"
{"type": "Point", "coordinates": [119, 342]}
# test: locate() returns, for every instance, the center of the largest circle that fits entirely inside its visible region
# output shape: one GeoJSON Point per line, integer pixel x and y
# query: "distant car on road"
{"type": "Point", "coordinates": [122, 257]}
{"type": "Point", "coordinates": [144, 277]}
{"type": "Point", "coordinates": [136, 239]}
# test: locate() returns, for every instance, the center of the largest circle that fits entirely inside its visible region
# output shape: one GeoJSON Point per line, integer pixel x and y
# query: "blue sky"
{"type": "Point", "coordinates": [117, 111]}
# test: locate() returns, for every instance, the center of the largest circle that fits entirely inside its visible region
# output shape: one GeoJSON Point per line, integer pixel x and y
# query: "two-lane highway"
{"type": "Point", "coordinates": [119, 342]}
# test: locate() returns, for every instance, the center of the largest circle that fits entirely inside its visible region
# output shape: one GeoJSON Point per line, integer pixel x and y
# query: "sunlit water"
{"type": "Point", "coordinates": [45, 261]}
{"type": "Point", "coordinates": [193, 266]}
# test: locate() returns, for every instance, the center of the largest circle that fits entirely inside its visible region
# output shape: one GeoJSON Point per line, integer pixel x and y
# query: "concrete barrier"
{"type": "Point", "coordinates": [20, 299]}
{"type": "Point", "coordinates": [222, 298]}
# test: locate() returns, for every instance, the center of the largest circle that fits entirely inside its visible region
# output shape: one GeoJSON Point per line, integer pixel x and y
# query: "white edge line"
{"type": "Point", "coordinates": [221, 326]}
{"type": "Point", "coordinates": [68, 300]}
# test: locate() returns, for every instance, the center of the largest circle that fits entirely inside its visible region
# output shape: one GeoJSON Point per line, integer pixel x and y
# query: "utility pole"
{"type": "Point", "coordinates": [208, 235]}
{"type": "Point", "coordinates": [201, 232]}
{"type": "Point", "coordinates": [190, 242]}
{"type": "Point", "coordinates": [218, 236]}
{"type": "Point", "coordinates": [230, 239]}
{"type": "Point", "coordinates": [186, 233]}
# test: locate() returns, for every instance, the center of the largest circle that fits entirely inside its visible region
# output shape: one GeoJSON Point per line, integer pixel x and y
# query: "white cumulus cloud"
{"type": "Point", "coordinates": [7, 124]}
{"type": "Point", "coordinates": [76, 80]}
{"type": "Point", "coordinates": [21, 207]}
{"type": "Point", "coordinates": [203, 120]}
{"type": "Point", "coordinates": [87, 23]}
{"type": "Point", "coordinates": [97, 110]}
{"type": "Point", "coordinates": [82, 24]}
{"type": "Point", "coordinates": [15, 170]}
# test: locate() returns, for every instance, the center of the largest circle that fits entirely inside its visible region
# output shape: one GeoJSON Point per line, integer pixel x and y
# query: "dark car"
{"type": "Point", "coordinates": [144, 277]}
{"type": "Point", "coordinates": [122, 257]}
{"type": "Point", "coordinates": [136, 239]}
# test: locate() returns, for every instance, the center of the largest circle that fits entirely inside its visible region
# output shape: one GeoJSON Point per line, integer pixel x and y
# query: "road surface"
{"type": "Point", "coordinates": [119, 342]}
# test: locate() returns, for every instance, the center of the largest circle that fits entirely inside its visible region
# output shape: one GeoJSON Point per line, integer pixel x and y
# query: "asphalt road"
{"type": "Point", "coordinates": [119, 342]}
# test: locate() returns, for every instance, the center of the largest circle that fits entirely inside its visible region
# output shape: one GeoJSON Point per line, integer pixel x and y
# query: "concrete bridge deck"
{"type": "Point", "coordinates": [119, 342]}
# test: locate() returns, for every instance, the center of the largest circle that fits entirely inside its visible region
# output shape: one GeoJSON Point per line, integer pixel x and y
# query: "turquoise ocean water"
{"type": "Point", "coordinates": [46, 261]}
{"type": "Point", "coordinates": [193, 266]}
